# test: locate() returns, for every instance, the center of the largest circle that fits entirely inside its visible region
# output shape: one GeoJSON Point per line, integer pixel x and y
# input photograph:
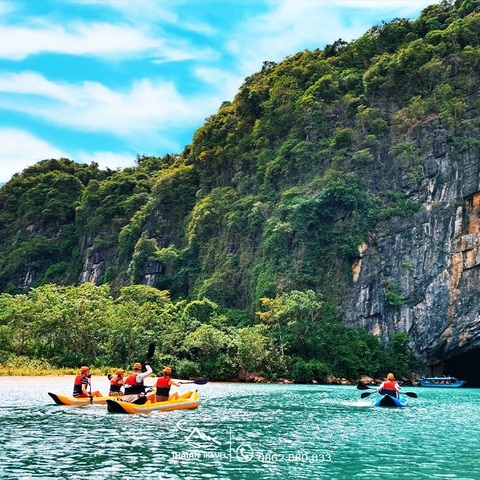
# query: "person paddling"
{"type": "Point", "coordinates": [162, 387]}
{"type": "Point", "coordinates": [389, 386]}
{"type": "Point", "coordinates": [82, 383]}
{"type": "Point", "coordinates": [116, 383]}
{"type": "Point", "coordinates": [134, 386]}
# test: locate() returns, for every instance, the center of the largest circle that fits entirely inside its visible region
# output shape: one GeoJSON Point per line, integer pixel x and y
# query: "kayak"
{"type": "Point", "coordinates": [389, 401]}
{"type": "Point", "coordinates": [75, 401]}
{"type": "Point", "coordinates": [187, 400]}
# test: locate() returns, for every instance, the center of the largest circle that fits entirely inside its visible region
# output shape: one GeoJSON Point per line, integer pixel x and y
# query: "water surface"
{"type": "Point", "coordinates": [240, 431]}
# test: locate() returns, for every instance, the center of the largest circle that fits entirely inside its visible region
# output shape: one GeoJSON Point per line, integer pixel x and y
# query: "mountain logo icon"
{"type": "Point", "coordinates": [198, 439]}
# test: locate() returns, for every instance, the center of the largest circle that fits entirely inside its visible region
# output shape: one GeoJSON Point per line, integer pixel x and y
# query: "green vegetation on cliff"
{"type": "Point", "coordinates": [275, 194]}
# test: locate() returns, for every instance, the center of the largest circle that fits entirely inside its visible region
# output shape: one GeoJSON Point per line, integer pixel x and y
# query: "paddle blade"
{"type": "Point", "coordinates": [362, 386]}
{"type": "Point", "coordinates": [151, 351]}
{"type": "Point", "coordinates": [411, 394]}
{"type": "Point", "coordinates": [365, 394]}
{"type": "Point", "coordinates": [201, 381]}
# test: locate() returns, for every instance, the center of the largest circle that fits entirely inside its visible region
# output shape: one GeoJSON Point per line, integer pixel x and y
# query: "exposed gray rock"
{"type": "Point", "coordinates": [431, 258]}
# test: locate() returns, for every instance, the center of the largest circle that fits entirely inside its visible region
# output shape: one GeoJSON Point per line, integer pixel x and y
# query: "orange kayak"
{"type": "Point", "coordinates": [75, 401]}
{"type": "Point", "coordinates": [187, 400]}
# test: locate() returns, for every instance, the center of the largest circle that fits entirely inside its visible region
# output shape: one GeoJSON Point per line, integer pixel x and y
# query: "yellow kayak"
{"type": "Point", "coordinates": [187, 400]}
{"type": "Point", "coordinates": [75, 401]}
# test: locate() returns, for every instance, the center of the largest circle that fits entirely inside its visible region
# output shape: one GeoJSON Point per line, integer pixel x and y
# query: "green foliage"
{"type": "Point", "coordinates": [297, 336]}
{"type": "Point", "coordinates": [398, 356]}
{"type": "Point", "coordinates": [392, 296]}
{"type": "Point", "coordinates": [38, 222]}
{"type": "Point", "coordinates": [274, 196]}
{"type": "Point", "coordinates": [305, 372]}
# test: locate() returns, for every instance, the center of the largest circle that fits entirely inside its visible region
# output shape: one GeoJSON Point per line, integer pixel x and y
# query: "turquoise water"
{"type": "Point", "coordinates": [240, 431]}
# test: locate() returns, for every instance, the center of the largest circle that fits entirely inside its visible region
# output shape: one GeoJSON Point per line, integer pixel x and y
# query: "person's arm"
{"type": "Point", "coordinates": [85, 383]}
{"type": "Point", "coordinates": [173, 382]}
{"type": "Point", "coordinates": [141, 376]}
{"type": "Point", "coordinates": [380, 387]}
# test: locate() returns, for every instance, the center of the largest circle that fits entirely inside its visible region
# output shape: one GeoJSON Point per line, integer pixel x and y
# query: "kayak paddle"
{"type": "Point", "coordinates": [200, 381]}
{"type": "Point", "coordinates": [151, 351]}
{"type": "Point", "coordinates": [408, 394]}
{"type": "Point", "coordinates": [362, 386]}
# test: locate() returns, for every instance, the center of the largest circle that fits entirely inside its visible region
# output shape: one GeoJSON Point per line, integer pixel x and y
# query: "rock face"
{"type": "Point", "coordinates": [428, 262]}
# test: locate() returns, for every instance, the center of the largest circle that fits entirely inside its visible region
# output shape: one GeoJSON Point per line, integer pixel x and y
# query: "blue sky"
{"type": "Point", "coordinates": [106, 80]}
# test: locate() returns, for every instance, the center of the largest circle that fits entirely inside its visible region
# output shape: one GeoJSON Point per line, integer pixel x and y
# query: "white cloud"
{"type": "Point", "coordinates": [32, 83]}
{"type": "Point", "coordinates": [95, 39]}
{"type": "Point", "coordinates": [16, 43]}
{"type": "Point", "coordinates": [19, 150]}
{"type": "Point", "coordinates": [91, 106]}
{"type": "Point", "coordinates": [147, 12]}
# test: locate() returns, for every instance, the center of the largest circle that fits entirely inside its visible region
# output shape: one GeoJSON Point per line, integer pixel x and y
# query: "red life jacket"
{"type": "Point", "coordinates": [163, 382]}
{"type": "Point", "coordinates": [390, 384]}
{"type": "Point", "coordinates": [131, 385]}
{"type": "Point", "coordinates": [114, 385]}
{"type": "Point", "coordinates": [77, 386]}
{"type": "Point", "coordinates": [163, 387]}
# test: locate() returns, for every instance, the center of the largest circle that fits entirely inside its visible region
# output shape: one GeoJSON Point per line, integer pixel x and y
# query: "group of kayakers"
{"type": "Point", "coordinates": [129, 388]}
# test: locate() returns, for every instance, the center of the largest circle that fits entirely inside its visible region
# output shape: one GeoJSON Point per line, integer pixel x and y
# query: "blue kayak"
{"type": "Point", "coordinates": [389, 401]}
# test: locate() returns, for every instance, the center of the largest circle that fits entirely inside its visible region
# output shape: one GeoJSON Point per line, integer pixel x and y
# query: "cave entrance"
{"type": "Point", "coordinates": [465, 367]}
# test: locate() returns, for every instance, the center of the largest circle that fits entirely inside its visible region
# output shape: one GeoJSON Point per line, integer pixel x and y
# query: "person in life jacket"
{"type": "Point", "coordinates": [389, 386]}
{"type": "Point", "coordinates": [116, 383]}
{"type": "Point", "coordinates": [162, 387]}
{"type": "Point", "coordinates": [134, 386]}
{"type": "Point", "coordinates": [82, 387]}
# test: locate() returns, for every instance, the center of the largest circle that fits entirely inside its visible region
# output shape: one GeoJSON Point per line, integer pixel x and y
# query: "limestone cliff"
{"type": "Point", "coordinates": [431, 258]}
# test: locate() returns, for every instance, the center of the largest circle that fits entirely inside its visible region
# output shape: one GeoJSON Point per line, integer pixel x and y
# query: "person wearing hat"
{"type": "Point", "coordinates": [389, 386]}
{"type": "Point", "coordinates": [81, 386]}
{"type": "Point", "coordinates": [116, 383]}
{"type": "Point", "coordinates": [162, 387]}
{"type": "Point", "coordinates": [133, 385]}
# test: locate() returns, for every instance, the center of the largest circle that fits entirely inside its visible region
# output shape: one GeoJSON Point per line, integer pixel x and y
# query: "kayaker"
{"type": "Point", "coordinates": [162, 387]}
{"type": "Point", "coordinates": [116, 383]}
{"type": "Point", "coordinates": [389, 386]}
{"type": "Point", "coordinates": [81, 386]}
{"type": "Point", "coordinates": [134, 386]}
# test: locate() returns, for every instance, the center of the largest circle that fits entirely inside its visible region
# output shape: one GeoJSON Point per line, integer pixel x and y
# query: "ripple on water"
{"type": "Point", "coordinates": [243, 431]}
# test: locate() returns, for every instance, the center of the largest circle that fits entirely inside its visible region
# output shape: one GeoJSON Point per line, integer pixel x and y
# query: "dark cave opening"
{"type": "Point", "coordinates": [465, 367]}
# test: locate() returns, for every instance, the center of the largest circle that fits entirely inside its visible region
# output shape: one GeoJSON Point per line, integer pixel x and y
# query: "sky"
{"type": "Point", "coordinates": [106, 80]}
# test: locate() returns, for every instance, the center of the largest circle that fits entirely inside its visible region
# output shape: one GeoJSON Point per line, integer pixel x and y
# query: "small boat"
{"type": "Point", "coordinates": [441, 382]}
{"type": "Point", "coordinates": [389, 401]}
{"type": "Point", "coordinates": [187, 400]}
{"type": "Point", "coordinates": [76, 401]}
